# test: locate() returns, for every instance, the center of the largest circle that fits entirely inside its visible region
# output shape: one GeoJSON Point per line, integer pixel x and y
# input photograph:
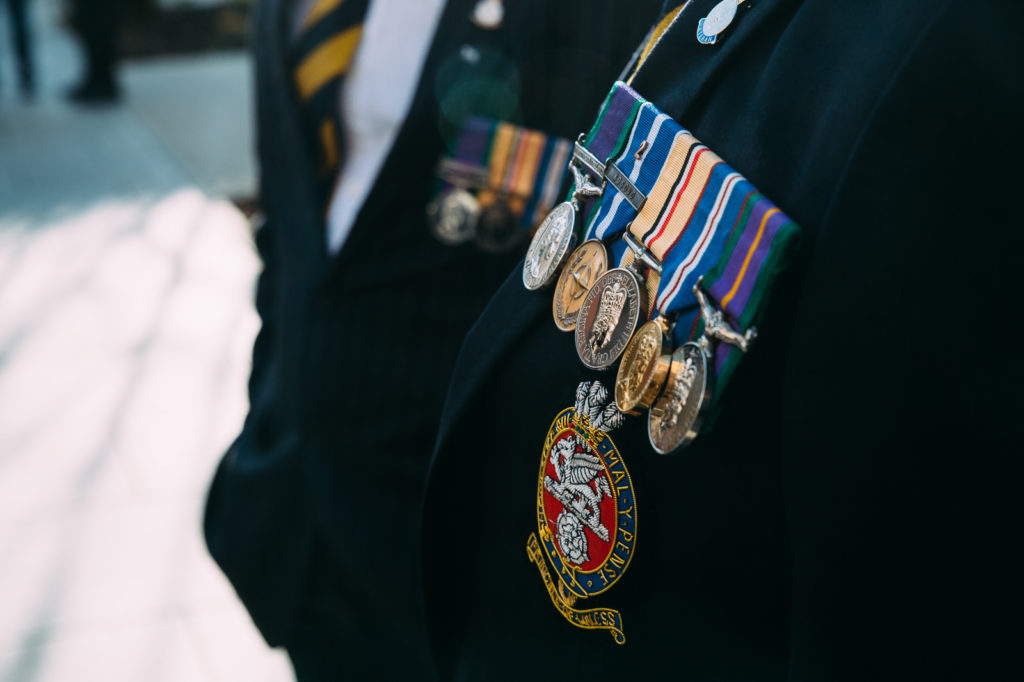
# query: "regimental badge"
{"type": "Point", "coordinates": [586, 510]}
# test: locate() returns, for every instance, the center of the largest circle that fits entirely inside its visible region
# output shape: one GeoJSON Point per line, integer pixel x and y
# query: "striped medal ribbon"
{"type": "Point", "coordinates": [516, 174]}
{"type": "Point", "coordinates": [624, 297]}
{"type": "Point", "coordinates": [720, 246]}
{"type": "Point", "coordinates": [556, 235]}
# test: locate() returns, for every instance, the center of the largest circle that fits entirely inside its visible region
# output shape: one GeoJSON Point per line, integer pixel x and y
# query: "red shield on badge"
{"type": "Point", "coordinates": [579, 502]}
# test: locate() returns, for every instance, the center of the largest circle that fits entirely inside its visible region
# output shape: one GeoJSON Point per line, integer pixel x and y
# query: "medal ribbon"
{"type": "Point", "coordinates": [759, 246]}
{"type": "Point", "coordinates": [525, 166]}
{"type": "Point", "coordinates": [609, 133]}
{"type": "Point", "coordinates": [650, 139]}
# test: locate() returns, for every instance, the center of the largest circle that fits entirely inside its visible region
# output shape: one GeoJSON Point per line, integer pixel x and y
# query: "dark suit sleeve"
{"type": "Point", "coordinates": [903, 409]}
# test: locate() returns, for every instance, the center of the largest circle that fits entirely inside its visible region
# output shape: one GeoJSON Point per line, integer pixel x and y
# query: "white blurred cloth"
{"type": "Point", "coordinates": [375, 98]}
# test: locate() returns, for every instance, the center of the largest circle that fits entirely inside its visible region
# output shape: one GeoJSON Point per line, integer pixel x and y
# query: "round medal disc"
{"type": "Point", "coordinates": [611, 312]}
{"type": "Point", "coordinates": [674, 420]}
{"type": "Point", "coordinates": [588, 262]}
{"type": "Point", "coordinates": [550, 246]}
{"type": "Point", "coordinates": [643, 370]}
{"type": "Point", "coordinates": [496, 229]}
{"type": "Point", "coordinates": [453, 216]}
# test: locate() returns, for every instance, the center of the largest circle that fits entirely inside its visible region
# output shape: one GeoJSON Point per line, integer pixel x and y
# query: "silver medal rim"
{"type": "Point", "coordinates": [466, 198]}
{"type": "Point", "coordinates": [693, 430]}
{"type": "Point", "coordinates": [640, 313]}
{"type": "Point", "coordinates": [547, 277]}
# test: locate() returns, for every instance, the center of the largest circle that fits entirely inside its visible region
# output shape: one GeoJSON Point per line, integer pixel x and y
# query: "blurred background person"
{"type": "Point", "coordinates": [21, 37]}
{"type": "Point", "coordinates": [126, 281]}
{"type": "Point", "coordinates": [96, 22]}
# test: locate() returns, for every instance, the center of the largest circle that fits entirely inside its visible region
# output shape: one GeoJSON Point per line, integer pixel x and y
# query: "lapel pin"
{"type": "Point", "coordinates": [717, 20]}
{"type": "Point", "coordinates": [488, 14]}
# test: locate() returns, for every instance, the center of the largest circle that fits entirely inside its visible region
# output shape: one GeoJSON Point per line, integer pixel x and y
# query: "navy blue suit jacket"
{"type": "Point", "coordinates": [316, 505]}
{"type": "Point", "coordinates": [854, 514]}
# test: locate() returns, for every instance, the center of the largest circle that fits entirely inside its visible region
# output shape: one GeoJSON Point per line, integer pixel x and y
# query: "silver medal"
{"type": "Point", "coordinates": [551, 244]}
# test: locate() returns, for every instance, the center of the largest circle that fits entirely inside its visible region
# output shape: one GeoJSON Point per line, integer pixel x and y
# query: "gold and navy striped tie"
{"type": "Point", "coordinates": [321, 55]}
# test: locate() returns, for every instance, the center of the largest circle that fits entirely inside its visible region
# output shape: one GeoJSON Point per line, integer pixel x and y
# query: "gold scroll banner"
{"type": "Point", "coordinates": [588, 619]}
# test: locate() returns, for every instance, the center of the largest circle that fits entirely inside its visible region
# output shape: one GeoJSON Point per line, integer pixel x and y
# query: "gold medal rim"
{"type": "Point", "coordinates": [563, 278]}
{"type": "Point", "coordinates": [566, 248]}
{"type": "Point", "coordinates": [638, 290]}
{"type": "Point", "coordinates": [705, 397]}
{"type": "Point", "coordinates": [654, 376]}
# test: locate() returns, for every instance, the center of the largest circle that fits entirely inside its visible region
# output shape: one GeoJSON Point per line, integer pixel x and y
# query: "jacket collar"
{"type": "Point", "coordinates": [679, 72]}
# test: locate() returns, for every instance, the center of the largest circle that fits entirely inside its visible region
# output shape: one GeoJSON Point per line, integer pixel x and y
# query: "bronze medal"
{"type": "Point", "coordinates": [611, 312]}
{"type": "Point", "coordinates": [452, 216]}
{"type": "Point", "coordinates": [674, 420]}
{"type": "Point", "coordinates": [496, 229]}
{"type": "Point", "coordinates": [550, 246]}
{"type": "Point", "coordinates": [644, 368]}
{"type": "Point", "coordinates": [586, 264]}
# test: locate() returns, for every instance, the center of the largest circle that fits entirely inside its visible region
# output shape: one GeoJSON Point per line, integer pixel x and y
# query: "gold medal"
{"type": "Point", "coordinates": [586, 264]}
{"type": "Point", "coordinates": [644, 368]}
{"type": "Point", "coordinates": [611, 312]}
{"type": "Point", "coordinates": [674, 420]}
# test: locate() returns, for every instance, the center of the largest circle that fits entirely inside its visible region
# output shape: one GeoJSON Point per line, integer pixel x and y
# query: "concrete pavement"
{"type": "Point", "coordinates": [125, 329]}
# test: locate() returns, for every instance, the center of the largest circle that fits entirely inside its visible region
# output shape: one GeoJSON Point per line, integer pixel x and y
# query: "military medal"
{"type": "Point", "coordinates": [644, 368]}
{"type": "Point", "coordinates": [586, 511]}
{"type": "Point", "coordinates": [497, 230]}
{"type": "Point", "coordinates": [717, 20]}
{"type": "Point", "coordinates": [453, 215]}
{"type": "Point", "coordinates": [586, 264]}
{"type": "Point", "coordinates": [556, 236]}
{"type": "Point", "coordinates": [551, 244]}
{"type": "Point", "coordinates": [610, 313]}
{"type": "Point", "coordinates": [674, 420]}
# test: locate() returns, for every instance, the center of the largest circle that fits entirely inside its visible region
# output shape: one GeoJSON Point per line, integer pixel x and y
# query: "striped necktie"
{"type": "Point", "coordinates": [321, 56]}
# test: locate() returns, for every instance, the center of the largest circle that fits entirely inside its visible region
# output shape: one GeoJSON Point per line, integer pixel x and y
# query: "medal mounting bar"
{"type": "Point", "coordinates": [642, 253]}
{"type": "Point", "coordinates": [584, 157]}
{"type": "Point", "coordinates": [617, 179]}
{"type": "Point", "coordinates": [461, 173]}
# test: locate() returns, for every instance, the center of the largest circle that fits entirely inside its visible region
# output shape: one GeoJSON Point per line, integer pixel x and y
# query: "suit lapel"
{"type": "Point", "coordinates": [508, 316]}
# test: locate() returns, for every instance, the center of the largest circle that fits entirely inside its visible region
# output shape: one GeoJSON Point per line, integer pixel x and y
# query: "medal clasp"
{"type": "Point", "coordinates": [716, 327]}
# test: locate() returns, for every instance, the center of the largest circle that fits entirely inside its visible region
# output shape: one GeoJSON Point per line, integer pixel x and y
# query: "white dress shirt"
{"type": "Point", "coordinates": [375, 98]}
